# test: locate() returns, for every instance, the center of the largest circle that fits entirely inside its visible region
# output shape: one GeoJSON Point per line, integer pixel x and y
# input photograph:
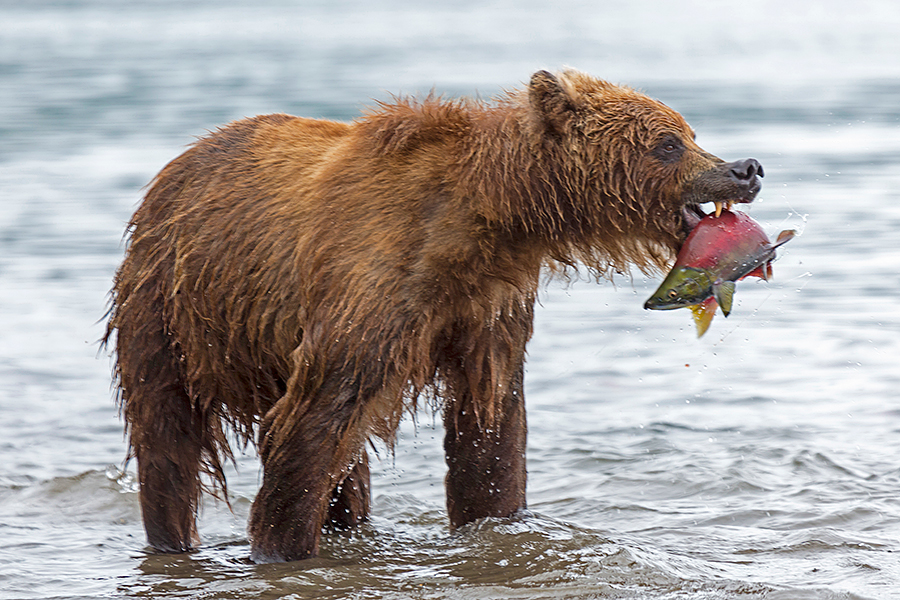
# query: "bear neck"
{"type": "Point", "coordinates": [526, 186]}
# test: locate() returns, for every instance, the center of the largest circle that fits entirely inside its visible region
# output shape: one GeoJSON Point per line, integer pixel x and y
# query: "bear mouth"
{"type": "Point", "coordinates": [723, 185]}
{"type": "Point", "coordinates": [693, 213]}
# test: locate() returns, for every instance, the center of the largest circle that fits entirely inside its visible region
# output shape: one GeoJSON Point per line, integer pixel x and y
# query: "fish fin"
{"type": "Point", "coordinates": [724, 293]}
{"type": "Point", "coordinates": [768, 271]}
{"type": "Point", "coordinates": [785, 236]}
{"type": "Point", "coordinates": [759, 271]}
{"type": "Point", "coordinates": [703, 314]}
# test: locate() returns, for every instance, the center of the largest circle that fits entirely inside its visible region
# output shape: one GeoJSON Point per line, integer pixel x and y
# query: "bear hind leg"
{"type": "Point", "coordinates": [165, 434]}
{"type": "Point", "coordinates": [351, 500]}
{"type": "Point", "coordinates": [169, 493]}
{"type": "Point", "coordinates": [305, 486]}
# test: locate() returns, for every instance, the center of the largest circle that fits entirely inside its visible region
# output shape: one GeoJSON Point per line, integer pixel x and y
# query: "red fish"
{"type": "Point", "coordinates": [719, 251]}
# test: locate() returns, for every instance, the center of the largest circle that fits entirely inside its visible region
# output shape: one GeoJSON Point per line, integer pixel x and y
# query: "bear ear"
{"type": "Point", "coordinates": [550, 100]}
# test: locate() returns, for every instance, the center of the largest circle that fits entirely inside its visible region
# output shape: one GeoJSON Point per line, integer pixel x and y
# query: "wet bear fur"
{"type": "Point", "coordinates": [304, 282]}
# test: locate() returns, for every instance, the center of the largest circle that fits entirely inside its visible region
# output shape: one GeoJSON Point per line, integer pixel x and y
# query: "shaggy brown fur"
{"type": "Point", "coordinates": [306, 281]}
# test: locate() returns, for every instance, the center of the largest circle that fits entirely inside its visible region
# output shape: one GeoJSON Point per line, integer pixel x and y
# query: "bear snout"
{"type": "Point", "coordinates": [738, 181]}
{"type": "Point", "coordinates": [746, 175]}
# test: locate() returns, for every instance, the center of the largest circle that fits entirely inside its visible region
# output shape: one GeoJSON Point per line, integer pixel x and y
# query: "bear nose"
{"type": "Point", "coordinates": [746, 170]}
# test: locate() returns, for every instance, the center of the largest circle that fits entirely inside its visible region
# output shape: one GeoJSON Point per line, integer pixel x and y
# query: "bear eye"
{"type": "Point", "coordinates": [669, 149]}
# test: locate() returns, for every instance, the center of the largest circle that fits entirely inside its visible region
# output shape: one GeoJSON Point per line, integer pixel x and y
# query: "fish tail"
{"type": "Point", "coordinates": [785, 236]}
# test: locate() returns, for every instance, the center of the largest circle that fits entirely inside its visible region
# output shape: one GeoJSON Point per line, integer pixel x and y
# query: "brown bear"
{"type": "Point", "coordinates": [303, 282]}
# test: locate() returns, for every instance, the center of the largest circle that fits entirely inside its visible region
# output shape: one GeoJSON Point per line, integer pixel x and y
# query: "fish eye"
{"type": "Point", "coordinates": [672, 294]}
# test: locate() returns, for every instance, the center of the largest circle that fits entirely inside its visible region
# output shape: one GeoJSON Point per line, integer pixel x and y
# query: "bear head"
{"type": "Point", "coordinates": [639, 174]}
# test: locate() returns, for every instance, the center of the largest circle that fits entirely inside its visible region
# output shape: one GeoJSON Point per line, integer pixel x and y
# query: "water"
{"type": "Point", "coordinates": [762, 461]}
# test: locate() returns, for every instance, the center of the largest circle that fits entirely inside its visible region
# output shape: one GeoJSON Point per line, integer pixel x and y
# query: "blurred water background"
{"type": "Point", "coordinates": [761, 461]}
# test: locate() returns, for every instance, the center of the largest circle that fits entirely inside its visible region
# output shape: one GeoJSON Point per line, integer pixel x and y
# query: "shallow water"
{"type": "Point", "coordinates": [762, 461]}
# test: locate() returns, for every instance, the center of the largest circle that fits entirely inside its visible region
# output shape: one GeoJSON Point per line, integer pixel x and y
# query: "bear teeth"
{"type": "Point", "coordinates": [719, 206]}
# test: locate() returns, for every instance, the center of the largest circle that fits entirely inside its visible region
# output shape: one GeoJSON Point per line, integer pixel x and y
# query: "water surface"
{"type": "Point", "coordinates": [762, 461]}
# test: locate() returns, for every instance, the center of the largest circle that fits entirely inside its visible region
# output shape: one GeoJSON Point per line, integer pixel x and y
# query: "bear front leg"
{"type": "Point", "coordinates": [308, 449]}
{"type": "Point", "coordinates": [486, 475]}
